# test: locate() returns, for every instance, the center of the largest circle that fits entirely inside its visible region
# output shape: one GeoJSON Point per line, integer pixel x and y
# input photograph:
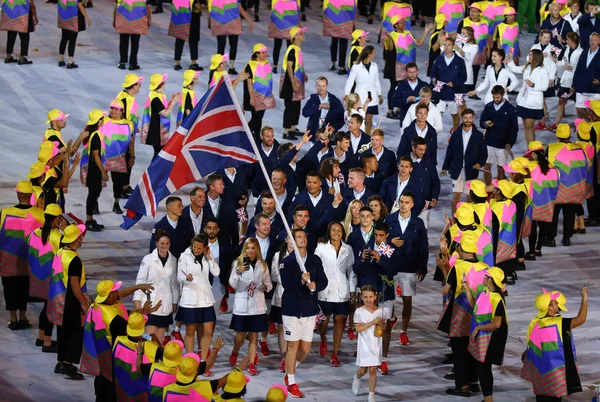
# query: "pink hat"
{"type": "Point", "coordinates": [561, 2]}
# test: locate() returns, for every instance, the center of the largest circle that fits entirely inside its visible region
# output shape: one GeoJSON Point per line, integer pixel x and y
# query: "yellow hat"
{"type": "Point", "coordinates": [217, 59]}
{"type": "Point", "coordinates": [24, 187]}
{"type": "Point", "coordinates": [236, 381]}
{"type": "Point", "coordinates": [117, 104]}
{"type": "Point", "coordinates": [506, 187]}
{"type": "Point", "coordinates": [358, 33]}
{"type": "Point", "coordinates": [475, 6]}
{"type": "Point", "coordinates": [48, 150]}
{"type": "Point", "coordinates": [56, 114]}
{"type": "Point", "coordinates": [522, 160]}
{"type": "Point", "coordinates": [277, 393]}
{"type": "Point", "coordinates": [156, 80]}
{"type": "Point", "coordinates": [542, 302]}
{"type": "Point", "coordinates": [189, 76]}
{"type": "Point", "coordinates": [465, 214]}
{"type": "Point", "coordinates": [188, 368]}
{"type": "Point", "coordinates": [53, 210]}
{"type": "Point", "coordinates": [172, 354]}
{"type": "Point", "coordinates": [296, 30]}
{"type": "Point", "coordinates": [104, 288]}
{"type": "Point", "coordinates": [561, 300]}
{"type": "Point", "coordinates": [594, 106]}
{"type": "Point", "coordinates": [130, 80]}
{"type": "Point", "coordinates": [534, 146]}
{"type": "Point", "coordinates": [583, 130]}
{"type": "Point", "coordinates": [259, 48]}
{"type": "Point", "coordinates": [37, 169]}
{"type": "Point", "coordinates": [136, 325]}
{"type": "Point", "coordinates": [395, 19]}
{"type": "Point", "coordinates": [497, 276]}
{"type": "Point", "coordinates": [468, 241]}
{"type": "Point", "coordinates": [563, 131]}
{"type": "Point", "coordinates": [478, 188]}
{"type": "Point", "coordinates": [532, 165]}
{"type": "Point", "coordinates": [514, 167]}
{"type": "Point", "coordinates": [94, 116]}
{"type": "Point", "coordinates": [72, 233]}
{"type": "Point", "coordinates": [440, 19]}
{"type": "Point", "coordinates": [509, 11]}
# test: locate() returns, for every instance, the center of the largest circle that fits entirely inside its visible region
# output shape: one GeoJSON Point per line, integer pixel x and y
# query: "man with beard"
{"type": "Point", "coordinates": [222, 255]}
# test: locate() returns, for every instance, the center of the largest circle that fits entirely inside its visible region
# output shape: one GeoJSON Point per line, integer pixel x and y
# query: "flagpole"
{"type": "Point", "coordinates": [265, 174]}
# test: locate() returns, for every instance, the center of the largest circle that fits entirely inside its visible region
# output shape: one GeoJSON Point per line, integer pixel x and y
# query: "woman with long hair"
{"type": "Point", "coordinates": [251, 280]}
{"type": "Point", "coordinates": [353, 106]}
{"type": "Point", "coordinates": [566, 73]}
{"type": "Point", "coordinates": [330, 173]}
{"type": "Point", "coordinates": [496, 74]}
{"type": "Point", "coordinates": [530, 101]}
{"type": "Point", "coordinates": [550, 55]}
{"type": "Point", "coordinates": [466, 48]}
{"type": "Point", "coordinates": [380, 210]}
{"type": "Point", "coordinates": [258, 91]}
{"type": "Point", "coordinates": [351, 220]}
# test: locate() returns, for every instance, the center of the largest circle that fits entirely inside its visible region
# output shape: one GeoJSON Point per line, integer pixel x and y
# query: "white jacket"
{"type": "Point", "coordinates": [164, 280]}
{"type": "Point", "coordinates": [490, 81]}
{"type": "Point", "coordinates": [471, 51]}
{"type": "Point", "coordinates": [276, 278]}
{"type": "Point", "coordinates": [434, 117]}
{"type": "Point", "coordinates": [366, 81]}
{"type": "Point", "coordinates": [531, 98]}
{"type": "Point", "coordinates": [198, 292]}
{"type": "Point", "coordinates": [566, 76]}
{"type": "Point", "coordinates": [244, 304]}
{"type": "Point", "coordinates": [573, 21]}
{"type": "Point", "coordinates": [549, 63]}
{"type": "Point", "coordinates": [338, 269]}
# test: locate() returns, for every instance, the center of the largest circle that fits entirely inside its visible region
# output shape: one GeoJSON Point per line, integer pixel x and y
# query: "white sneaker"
{"type": "Point", "coordinates": [355, 385]}
{"type": "Point", "coordinates": [371, 398]}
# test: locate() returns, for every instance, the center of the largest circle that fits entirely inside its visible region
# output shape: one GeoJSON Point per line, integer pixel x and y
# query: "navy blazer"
{"type": "Point", "coordinates": [181, 236]}
{"type": "Point", "coordinates": [389, 189]}
{"type": "Point", "coordinates": [335, 115]}
{"type": "Point", "coordinates": [403, 91]}
{"type": "Point", "coordinates": [276, 226]}
{"type": "Point", "coordinates": [350, 162]}
{"type": "Point", "coordinates": [364, 140]}
{"type": "Point", "coordinates": [387, 162]}
{"type": "Point", "coordinates": [310, 160]}
{"type": "Point", "coordinates": [348, 195]}
{"type": "Point", "coordinates": [284, 207]}
{"type": "Point", "coordinates": [412, 256]}
{"type": "Point", "coordinates": [314, 211]}
{"type": "Point", "coordinates": [310, 234]}
{"type": "Point", "coordinates": [298, 300]}
{"type": "Point", "coordinates": [259, 184]}
{"type": "Point", "coordinates": [582, 81]}
{"type": "Point", "coordinates": [291, 185]}
{"type": "Point", "coordinates": [186, 214]}
{"type": "Point", "coordinates": [374, 183]}
{"type": "Point", "coordinates": [476, 153]}
{"type": "Point", "coordinates": [228, 222]}
{"type": "Point", "coordinates": [586, 28]}
{"type": "Point", "coordinates": [405, 146]}
{"type": "Point", "coordinates": [562, 26]}
{"type": "Point", "coordinates": [425, 183]}
{"type": "Point", "coordinates": [456, 73]}
{"type": "Point", "coordinates": [505, 128]}
{"type": "Point", "coordinates": [234, 190]}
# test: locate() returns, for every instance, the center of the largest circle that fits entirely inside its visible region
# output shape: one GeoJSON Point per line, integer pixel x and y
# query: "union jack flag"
{"type": "Point", "coordinates": [556, 50]}
{"type": "Point", "coordinates": [385, 249]}
{"type": "Point", "coordinates": [458, 98]}
{"type": "Point", "coordinates": [214, 136]}
{"type": "Point", "coordinates": [438, 86]}
{"type": "Point", "coordinates": [251, 289]}
{"type": "Point", "coordinates": [241, 215]}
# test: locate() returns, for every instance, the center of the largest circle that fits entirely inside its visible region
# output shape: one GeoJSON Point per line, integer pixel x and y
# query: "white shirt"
{"type": "Point", "coordinates": [338, 269]}
{"type": "Point", "coordinates": [403, 222]}
{"type": "Point", "coordinates": [214, 205]}
{"type": "Point", "coordinates": [267, 151]}
{"type": "Point", "coordinates": [448, 59]}
{"type": "Point", "coordinates": [498, 107]}
{"type": "Point", "coordinates": [340, 159]}
{"type": "Point", "coordinates": [321, 154]}
{"type": "Point", "coordinates": [230, 175]}
{"type": "Point", "coordinates": [377, 154]}
{"type": "Point", "coordinates": [466, 136]}
{"type": "Point", "coordinates": [315, 200]}
{"type": "Point", "coordinates": [366, 236]}
{"type": "Point", "coordinates": [196, 220]}
{"type": "Point", "coordinates": [590, 56]}
{"type": "Point", "coordinates": [401, 186]}
{"type": "Point", "coordinates": [196, 293]}
{"type": "Point", "coordinates": [414, 158]}
{"type": "Point", "coordinates": [214, 250]}
{"type": "Point", "coordinates": [574, 21]}
{"type": "Point", "coordinates": [322, 101]}
{"type": "Point", "coordinates": [421, 133]}
{"type": "Point", "coordinates": [412, 84]}
{"type": "Point", "coordinates": [172, 222]}
{"type": "Point", "coordinates": [354, 141]}
{"type": "Point", "coordinates": [357, 196]}
{"type": "Point", "coordinates": [470, 50]}
{"type": "Point", "coordinates": [282, 197]}
{"type": "Point", "coordinates": [264, 245]}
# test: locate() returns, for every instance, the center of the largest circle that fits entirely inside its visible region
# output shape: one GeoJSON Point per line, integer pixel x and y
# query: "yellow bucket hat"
{"type": "Point", "coordinates": [136, 325]}
{"type": "Point", "coordinates": [72, 233]}
{"type": "Point", "coordinates": [130, 80]}
{"type": "Point", "coordinates": [189, 76]}
{"type": "Point", "coordinates": [465, 214]}
{"type": "Point", "coordinates": [104, 288]}
{"type": "Point", "coordinates": [172, 354]}
{"type": "Point", "coordinates": [358, 33]}
{"type": "Point", "coordinates": [497, 276]}
{"type": "Point", "coordinates": [48, 150]}
{"type": "Point", "coordinates": [37, 169]}
{"type": "Point", "coordinates": [510, 11]}
{"type": "Point", "coordinates": [468, 241]}
{"type": "Point", "coordinates": [583, 130]}
{"type": "Point", "coordinates": [56, 114]}
{"type": "Point", "coordinates": [440, 19]}
{"type": "Point", "coordinates": [514, 166]}
{"type": "Point", "coordinates": [94, 116]}
{"type": "Point", "coordinates": [24, 187]}
{"type": "Point", "coordinates": [277, 393]}
{"type": "Point", "coordinates": [156, 80]}
{"type": "Point", "coordinates": [534, 146]}
{"type": "Point", "coordinates": [561, 300]}
{"type": "Point", "coordinates": [506, 187]}
{"type": "Point", "coordinates": [594, 106]}
{"type": "Point", "coordinates": [259, 48]}
{"type": "Point", "coordinates": [542, 302]}
{"type": "Point", "coordinates": [563, 131]}
{"type": "Point", "coordinates": [117, 104]}
{"type": "Point", "coordinates": [53, 210]}
{"type": "Point", "coordinates": [478, 188]}
{"type": "Point", "coordinates": [217, 59]}
{"type": "Point", "coordinates": [236, 381]}
{"type": "Point", "coordinates": [296, 30]}
{"type": "Point", "coordinates": [188, 368]}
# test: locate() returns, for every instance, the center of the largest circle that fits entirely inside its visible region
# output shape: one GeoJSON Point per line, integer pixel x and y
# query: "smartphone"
{"type": "Point", "coordinates": [146, 337]}
{"type": "Point", "coordinates": [369, 95]}
{"type": "Point", "coordinates": [246, 261]}
{"type": "Point", "coordinates": [148, 297]}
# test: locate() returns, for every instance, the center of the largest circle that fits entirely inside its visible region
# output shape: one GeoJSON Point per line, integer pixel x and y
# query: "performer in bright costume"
{"type": "Point", "coordinates": [235, 388]}
{"type": "Point", "coordinates": [285, 15]}
{"type": "Point", "coordinates": [339, 19]}
{"type": "Point", "coordinates": [583, 140]}
{"type": "Point", "coordinates": [506, 35]}
{"type": "Point", "coordinates": [185, 27]}
{"type": "Point", "coordinates": [131, 19]}
{"type": "Point", "coordinates": [518, 170]}
{"type": "Point", "coordinates": [18, 17]}
{"type": "Point", "coordinates": [258, 91]}
{"type": "Point", "coordinates": [68, 302]}
{"type": "Point", "coordinates": [72, 19]}
{"type": "Point", "coordinates": [389, 11]}
{"type": "Point", "coordinates": [481, 35]}
{"type": "Point", "coordinates": [186, 386]}
{"type": "Point", "coordinates": [188, 95]}
{"type": "Point", "coordinates": [16, 225]}
{"type": "Point", "coordinates": [550, 361]}
{"type": "Point", "coordinates": [359, 40]}
{"type": "Point", "coordinates": [43, 245]}
{"type": "Point", "coordinates": [504, 228]}
{"type": "Point", "coordinates": [489, 328]}
{"type": "Point", "coordinates": [453, 10]}
{"type": "Point", "coordinates": [292, 81]}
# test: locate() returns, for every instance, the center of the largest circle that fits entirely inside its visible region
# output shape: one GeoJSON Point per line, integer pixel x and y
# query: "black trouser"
{"type": "Point", "coordinates": [129, 168]}
{"type": "Point", "coordinates": [45, 325]}
{"type": "Point", "coordinates": [393, 85]}
{"type": "Point", "coordinates": [11, 38]}
{"type": "Point", "coordinates": [246, 4]}
{"type": "Point", "coordinates": [374, 5]}
{"type": "Point", "coordinates": [69, 37]}
{"type": "Point", "coordinates": [94, 191]}
{"type": "Point", "coordinates": [159, 4]}
{"type": "Point", "coordinates": [303, 5]}
{"type": "Point", "coordinates": [464, 363]}
{"type": "Point", "coordinates": [277, 49]}
{"type": "Point", "coordinates": [70, 342]}
{"type": "Point", "coordinates": [542, 398]}
{"type": "Point", "coordinates": [233, 45]}
{"type": "Point", "coordinates": [255, 124]}
{"type": "Point", "coordinates": [340, 56]}
{"type": "Point", "coordinates": [118, 181]}
{"type": "Point", "coordinates": [593, 202]}
{"type": "Point", "coordinates": [179, 44]}
{"type": "Point", "coordinates": [291, 113]}
{"type": "Point", "coordinates": [16, 292]}
{"type": "Point", "coordinates": [486, 379]}
{"type": "Point", "coordinates": [104, 389]}
{"type": "Point", "coordinates": [417, 6]}
{"type": "Point", "coordinates": [579, 210]}
{"type": "Point", "coordinates": [475, 74]}
{"type": "Point", "coordinates": [536, 241]}
{"type": "Point", "coordinates": [157, 149]}
{"type": "Point", "coordinates": [568, 220]}
{"type": "Point", "coordinates": [124, 48]}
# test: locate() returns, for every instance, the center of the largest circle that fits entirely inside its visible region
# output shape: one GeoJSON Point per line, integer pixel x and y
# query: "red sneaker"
{"type": "Point", "coordinates": [256, 358]}
{"type": "Point", "coordinates": [233, 358]}
{"type": "Point", "coordinates": [166, 340]}
{"type": "Point", "coordinates": [323, 348]}
{"type": "Point", "coordinates": [282, 366]}
{"type": "Point", "coordinates": [541, 126]}
{"type": "Point", "coordinates": [177, 335]}
{"type": "Point", "coordinates": [294, 391]}
{"type": "Point", "coordinates": [285, 380]}
{"type": "Point", "coordinates": [383, 369]}
{"type": "Point", "coordinates": [272, 329]}
{"type": "Point", "coordinates": [207, 373]}
{"type": "Point", "coordinates": [552, 127]}
{"type": "Point", "coordinates": [404, 339]}
{"type": "Point", "coordinates": [252, 369]}
{"type": "Point", "coordinates": [334, 361]}
{"type": "Point", "coordinates": [265, 350]}
{"type": "Point", "coordinates": [393, 323]}
{"type": "Point", "coordinates": [351, 335]}
{"type": "Point", "coordinates": [224, 307]}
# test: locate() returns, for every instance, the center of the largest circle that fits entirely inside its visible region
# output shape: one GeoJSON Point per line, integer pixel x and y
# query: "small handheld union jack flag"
{"type": "Point", "coordinates": [251, 289]}
{"type": "Point", "coordinates": [319, 318]}
{"type": "Point", "coordinates": [458, 98]}
{"type": "Point", "coordinates": [438, 86]}
{"type": "Point", "coordinates": [556, 50]}
{"type": "Point", "coordinates": [242, 215]}
{"type": "Point", "coordinates": [385, 249]}
{"type": "Point", "coordinates": [555, 32]}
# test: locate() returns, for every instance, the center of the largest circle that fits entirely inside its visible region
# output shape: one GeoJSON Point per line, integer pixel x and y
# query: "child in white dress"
{"type": "Point", "coordinates": [368, 355]}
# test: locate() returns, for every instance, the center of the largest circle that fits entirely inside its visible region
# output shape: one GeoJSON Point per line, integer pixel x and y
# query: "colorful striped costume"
{"type": "Point", "coordinates": [225, 18]}
{"type": "Point", "coordinates": [262, 85]}
{"type": "Point", "coordinates": [86, 157]}
{"type": "Point", "coordinates": [506, 213]}
{"type": "Point", "coordinates": [181, 19]}
{"type": "Point", "coordinates": [59, 283]}
{"type": "Point", "coordinates": [391, 9]}
{"type": "Point", "coordinates": [165, 122]}
{"type": "Point", "coordinates": [482, 37]}
{"type": "Point", "coordinates": [131, 17]}
{"type": "Point", "coordinates": [285, 14]}
{"type": "Point", "coordinates": [68, 14]}
{"type": "Point", "coordinates": [406, 51]}
{"type": "Point", "coordinates": [454, 10]}
{"type": "Point", "coordinates": [493, 13]}
{"type": "Point", "coordinates": [130, 384]}
{"type": "Point", "coordinates": [131, 112]}
{"type": "Point", "coordinates": [299, 75]}
{"type": "Point", "coordinates": [16, 225]}
{"type": "Point", "coordinates": [15, 15]}
{"type": "Point", "coordinates": [182, 102]}
{"type": "Point", "coordinates": [117, 136]}
{"type": "Point", "coordinates": [507, 38]}
{"type": "Point", "coordinates": [160, 377]}
{"type": "Point", "coordinates": [483, 313]}
{"type": "Point", "coordinates": [198, 391]}
{"type": "Point", "coordinates": [484, 213]}
{"type": "Point", "coordinates": [544, 189]}
{"type": "Point", "coordinates": [590, 154]}
{"type": "Point", "coordinates": [571, 162]}
{"type": "Point", "coordinates": [339, 18]}
{"type": "Point", "coordinates": [40, 259]}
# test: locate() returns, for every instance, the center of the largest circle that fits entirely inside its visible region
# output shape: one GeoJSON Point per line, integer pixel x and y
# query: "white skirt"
{"type": "Point", "coordinates": [369, 346]}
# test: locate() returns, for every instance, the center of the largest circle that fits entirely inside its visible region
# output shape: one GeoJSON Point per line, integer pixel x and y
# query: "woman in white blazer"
{"type": "Point", "coordinates": [566, 71]}
{"type": "Point", "coordinates": [365, 75]}
{"type": "Point", "coordinates": [275, 313]}
{"type": "Point", "coordinates": [158, 269]}
{"type": "Point", "coordinates": [338, 259]}
{"type": "Point", "coordinates": [496, 74]}
{"type": "Point", "coordinates": [467, 49]}
{"type": "Point", "coordinates": [251, 280]}
{"type": "Point", "coordinates": [530, 101]}
{"type": "Point", "coordinates": [196, 306]}
{"type": "Point", "coordinates": [550, 55]}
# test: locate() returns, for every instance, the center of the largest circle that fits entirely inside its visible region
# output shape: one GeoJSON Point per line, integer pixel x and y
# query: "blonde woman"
{"type": "Point", "coordinates": [351, 221]}
{"type": "Point", "coordinates": [353, 106]}
{"type": "Point", "coordinates": [466, 48]}
{"type": "Point", "coordinates": [251, 280]}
